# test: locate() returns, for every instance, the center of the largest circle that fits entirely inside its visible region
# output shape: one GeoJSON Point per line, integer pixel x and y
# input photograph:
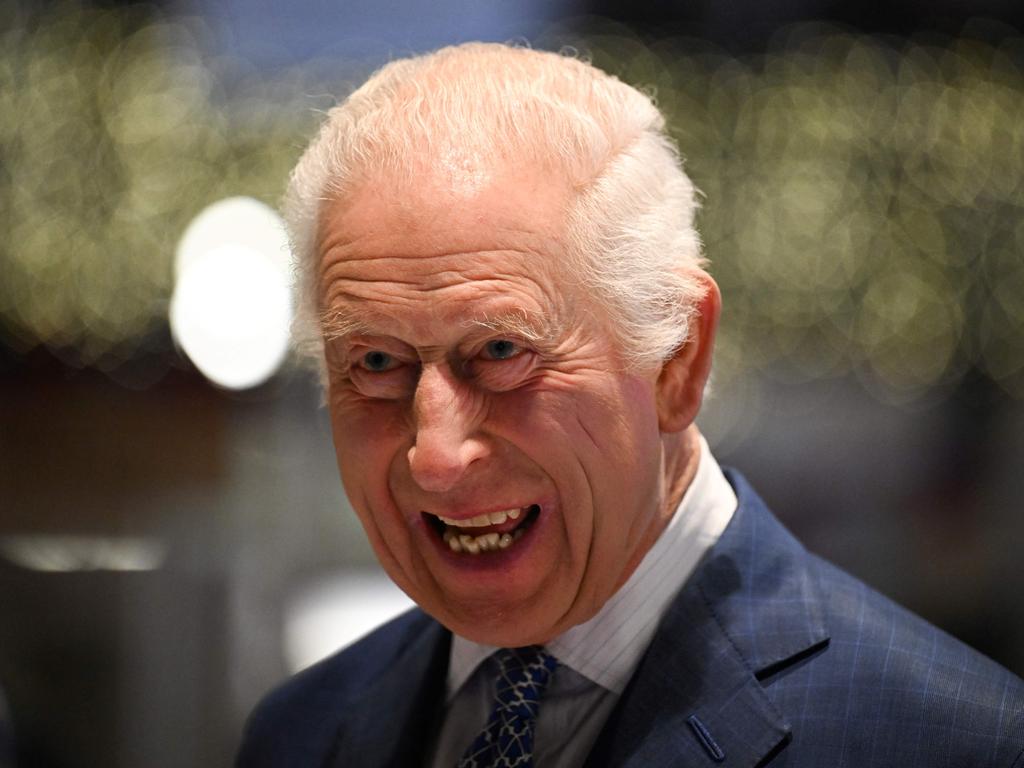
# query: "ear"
{"type": "Point", "coordinates": [680, 385]}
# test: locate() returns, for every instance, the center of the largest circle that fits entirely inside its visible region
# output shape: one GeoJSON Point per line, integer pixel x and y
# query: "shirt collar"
{"type": "Point", "coordinates": [607, 648]}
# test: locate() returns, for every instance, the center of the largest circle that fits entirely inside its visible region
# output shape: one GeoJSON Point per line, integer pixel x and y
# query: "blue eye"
{"type": "Point", "coordinates": [378, 362]}
{"type": "Point", "coordinates": [501, 349]}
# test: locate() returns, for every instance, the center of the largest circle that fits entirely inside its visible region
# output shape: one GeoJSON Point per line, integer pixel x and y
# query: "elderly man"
{"type": "Point", "coordinates": [497, 248]}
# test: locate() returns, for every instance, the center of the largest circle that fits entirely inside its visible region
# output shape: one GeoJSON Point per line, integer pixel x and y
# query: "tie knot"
{"type": "Point", "coordinates": [523, 675]}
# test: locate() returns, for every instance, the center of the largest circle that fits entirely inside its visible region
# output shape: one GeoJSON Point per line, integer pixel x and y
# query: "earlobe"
{"type": "Point", "coordinates": [680, 385]}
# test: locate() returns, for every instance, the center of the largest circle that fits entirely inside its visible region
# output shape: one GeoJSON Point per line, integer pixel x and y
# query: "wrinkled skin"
{"type": "Point", "coordinates": [468, 373]}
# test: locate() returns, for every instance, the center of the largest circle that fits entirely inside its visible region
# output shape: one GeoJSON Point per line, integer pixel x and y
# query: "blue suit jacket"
{"type": "Point", "coordinates": [769, 656]}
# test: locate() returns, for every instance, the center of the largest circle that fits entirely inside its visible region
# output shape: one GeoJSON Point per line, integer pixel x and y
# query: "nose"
{"type": "Point", "coordinates": [446, 414]}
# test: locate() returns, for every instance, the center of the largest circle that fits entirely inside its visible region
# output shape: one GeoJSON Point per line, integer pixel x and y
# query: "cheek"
{"type": "Point", "coordinates": [366, 438]}
{"type": "Point", "coordinates": [638, 409]}
{"type": "Point", "coordinates": [587, 425]}
{"type": "Point", "coordinates": [618, 445]}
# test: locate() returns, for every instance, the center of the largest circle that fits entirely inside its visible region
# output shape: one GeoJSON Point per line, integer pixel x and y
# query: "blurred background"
{"type": "Point", "coordinates": [173, 536]}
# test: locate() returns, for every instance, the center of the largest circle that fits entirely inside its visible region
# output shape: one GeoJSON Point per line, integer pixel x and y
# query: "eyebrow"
{"type": "Point", "coordinates": [338, 323]}
{"type": "Point", "coordinates": [341, 322]}
{"type": "Point", "coordinates": [518, 322]}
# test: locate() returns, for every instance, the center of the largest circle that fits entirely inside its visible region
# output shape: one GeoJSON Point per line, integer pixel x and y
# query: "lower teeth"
{"type": "Point", "coordinates": [488, 542]}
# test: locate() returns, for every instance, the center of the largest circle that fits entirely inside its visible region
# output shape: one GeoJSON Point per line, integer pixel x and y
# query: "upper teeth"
{"type": "Point", "coordinates": [487, 518]}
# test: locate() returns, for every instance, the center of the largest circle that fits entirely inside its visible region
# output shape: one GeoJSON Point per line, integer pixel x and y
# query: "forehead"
{"type": "Point", "coordinates": [445, 250]}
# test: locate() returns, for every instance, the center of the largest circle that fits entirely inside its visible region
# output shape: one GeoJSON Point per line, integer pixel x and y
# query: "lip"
{"type": "Point", "coordinates": [467, 513]}
{"type": "Point", "coordinates": [435, 524]}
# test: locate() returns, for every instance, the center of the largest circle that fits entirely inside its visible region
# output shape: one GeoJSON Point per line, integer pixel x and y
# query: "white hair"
{"type": "Point", "coordinates": [631, 236]}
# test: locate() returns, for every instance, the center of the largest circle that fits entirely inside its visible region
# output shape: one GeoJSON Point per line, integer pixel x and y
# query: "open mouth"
{"type": "Point", "coordinates": [489, 532]}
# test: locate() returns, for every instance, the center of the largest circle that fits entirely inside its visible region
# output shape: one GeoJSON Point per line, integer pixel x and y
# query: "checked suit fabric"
{"type": "Point", "coordinates": [507, 739]}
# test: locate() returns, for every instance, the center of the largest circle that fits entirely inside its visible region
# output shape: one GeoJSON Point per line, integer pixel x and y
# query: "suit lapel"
{"type": "Point", "coordinates": [693, 673]}
{"type": "Point", "coordinates": [750, 610]}
{"type": "Point", "coordinates": [758, 586]}
{"type": "Point", "coordinates": [394, 723]}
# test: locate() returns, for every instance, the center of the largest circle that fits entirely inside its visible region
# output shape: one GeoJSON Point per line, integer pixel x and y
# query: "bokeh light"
{"type": "Point", "coordinates": [862, 195]}
{"type": "Point", "coordinates": [115, 130]}
{"type": "Point", "coordinates": [231, 310]}
{"type": "Point", "coordinates": [68, 553]}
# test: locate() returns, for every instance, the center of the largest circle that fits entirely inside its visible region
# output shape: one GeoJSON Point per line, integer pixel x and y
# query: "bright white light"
{"type": "Point", "coordinates": [240, 220]}
{"type": "Point", "coordinates": [335, 613]}
{"type": "Point", "coordinates": [231, 310]}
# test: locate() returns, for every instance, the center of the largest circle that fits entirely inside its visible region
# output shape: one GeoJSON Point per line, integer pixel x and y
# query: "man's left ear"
{"type": "Point", "coordinates": [680, 385]}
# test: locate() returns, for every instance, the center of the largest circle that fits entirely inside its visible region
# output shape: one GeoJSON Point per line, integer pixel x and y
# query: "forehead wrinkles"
{"type": "Point", "coordinates": [475, 277]}
{"type": "Point", "coordinates": [434, 271]}
{"type": "Point", "coordinates": [525, 305]}
{"type": "Point", "coordinates": [409, 256]}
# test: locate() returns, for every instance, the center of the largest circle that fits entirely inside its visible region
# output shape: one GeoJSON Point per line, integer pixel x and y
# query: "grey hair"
{"type": "Point", "coordinates": [631, 236]}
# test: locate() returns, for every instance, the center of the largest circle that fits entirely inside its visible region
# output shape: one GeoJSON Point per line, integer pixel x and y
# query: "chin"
{"type": "Point", "coordinates": [508, 628]}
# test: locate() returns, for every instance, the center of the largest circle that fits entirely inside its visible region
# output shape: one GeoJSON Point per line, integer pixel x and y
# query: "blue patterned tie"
{"type": "Point", "coordinates": [507, 739]}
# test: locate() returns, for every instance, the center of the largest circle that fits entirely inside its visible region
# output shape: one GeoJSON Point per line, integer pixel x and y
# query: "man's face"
{"type": "Point", "coordinates": [475, 393]}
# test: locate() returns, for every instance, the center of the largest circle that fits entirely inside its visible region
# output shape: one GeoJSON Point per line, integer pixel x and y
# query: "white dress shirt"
{"type": "Point", "coordinates": [597, 658]}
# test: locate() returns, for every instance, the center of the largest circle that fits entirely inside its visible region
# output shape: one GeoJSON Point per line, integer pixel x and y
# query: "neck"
{"type": "Point", "coordinates": [682, 455]}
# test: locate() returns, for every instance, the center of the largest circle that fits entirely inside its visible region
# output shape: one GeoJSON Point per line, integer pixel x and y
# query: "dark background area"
{"type": "Point", "coordinates": [747, 26]}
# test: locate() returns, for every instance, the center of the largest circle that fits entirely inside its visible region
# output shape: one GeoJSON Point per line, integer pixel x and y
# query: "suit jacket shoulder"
{"type": "Point", "coordinates": [772, 657]}
{"type": "Point", "coordinates": [907, 692]}
{"type": "Point", "coordinates": [371, 704]}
